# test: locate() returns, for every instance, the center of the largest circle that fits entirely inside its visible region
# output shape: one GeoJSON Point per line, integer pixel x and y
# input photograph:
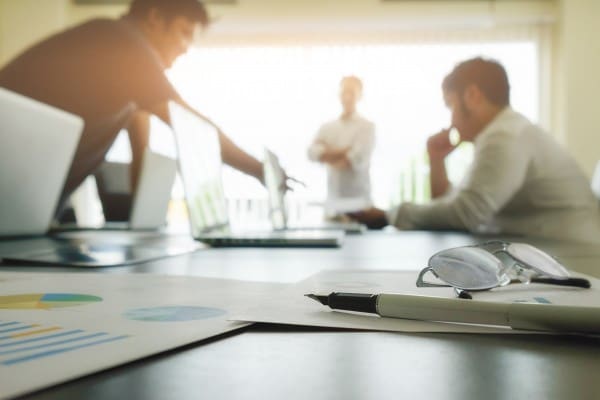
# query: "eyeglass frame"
{"type": "Point", "coordinates": [521, 265]}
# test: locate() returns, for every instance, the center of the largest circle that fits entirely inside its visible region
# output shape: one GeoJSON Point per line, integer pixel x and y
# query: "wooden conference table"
{"type": "Point", "coordinates": [273, 362]}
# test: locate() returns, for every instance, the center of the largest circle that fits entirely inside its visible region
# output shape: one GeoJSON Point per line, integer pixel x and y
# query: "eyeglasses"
{"type": "Point", "coordinates": [493, 264]}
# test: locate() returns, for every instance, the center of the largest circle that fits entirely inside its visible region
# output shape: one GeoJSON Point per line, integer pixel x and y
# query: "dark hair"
{"type": "Point", "coordinates": [488, 75]}
{"type": "Point", "coordinates": [192, 9]}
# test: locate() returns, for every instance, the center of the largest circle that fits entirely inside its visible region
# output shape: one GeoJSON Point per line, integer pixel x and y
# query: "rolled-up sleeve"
{"type": "Point", "coordinates": [360, 152]}
{"type": "Point", "coordinates": [497, 173]}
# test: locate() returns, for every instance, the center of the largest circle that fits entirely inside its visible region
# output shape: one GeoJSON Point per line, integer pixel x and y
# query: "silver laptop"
{"type": "Point", "coordinates": [275, 182]}
{"type": "Point", "coordinates": [146, 209]}
{"type": "Point", "coordinates": [150, 202]}
{"type": "Point", "coordinates": [200, 167]}
{"type": "Point", "coordinates": [38, 143]}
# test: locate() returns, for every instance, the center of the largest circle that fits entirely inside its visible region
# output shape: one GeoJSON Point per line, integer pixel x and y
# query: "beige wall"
{"type": "Point", "coordinates": [575, 63]}
{"type": "Point", "coordinates": [77, 14]}
{"type": "Point", "coordinates": [23, 22]}
{"type": "Point", "coordinates": [578, 80]}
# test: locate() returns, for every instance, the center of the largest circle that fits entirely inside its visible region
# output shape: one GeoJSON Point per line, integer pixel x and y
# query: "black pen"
{"type": "Point", "coordinates": [527, 316]}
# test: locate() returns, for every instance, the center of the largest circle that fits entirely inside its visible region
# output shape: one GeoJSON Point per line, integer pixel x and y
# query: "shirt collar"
{"type": "Point", "coordinates": [494, 124]}
{"type": "Point", "coordinates": [352, 117]}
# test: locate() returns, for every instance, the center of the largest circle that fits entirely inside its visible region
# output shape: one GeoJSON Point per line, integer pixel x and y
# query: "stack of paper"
{"type": "Point", "coordinates": [292, 308]}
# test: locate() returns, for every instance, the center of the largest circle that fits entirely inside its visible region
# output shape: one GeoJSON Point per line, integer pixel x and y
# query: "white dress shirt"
{"type": "Point", "coordinates": [358, 134]}
{"type": "Point", "coordinates": [521, 182]}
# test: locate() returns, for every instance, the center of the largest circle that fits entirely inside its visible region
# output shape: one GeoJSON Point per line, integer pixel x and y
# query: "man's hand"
{"type": "Point", "coordinates": [439, 145]}
{"type": "Point", "coordinates": [285, 185]}
{"type": "Point", "coordinates": [438, 148]}
{"type": "Point", "coordinates": [373, 218]}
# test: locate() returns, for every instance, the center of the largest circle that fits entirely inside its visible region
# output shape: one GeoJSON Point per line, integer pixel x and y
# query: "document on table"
{"type": "Point", "coordinates": [57, 327]}
{"type": "Point", "coordinates": [292, 308]}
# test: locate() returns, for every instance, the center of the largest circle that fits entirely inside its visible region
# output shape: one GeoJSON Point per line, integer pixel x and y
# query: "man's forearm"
{"type": "Point", "coordinates": [438, 178]}
{"type": "Point", "coordinates": [334, 156]}
{"type": "Point", "coordinates": [231, 154]}
{"type": "Point", "coordinates": [237, 158]}
{"type": "Point", "coordinates": [139, 134]}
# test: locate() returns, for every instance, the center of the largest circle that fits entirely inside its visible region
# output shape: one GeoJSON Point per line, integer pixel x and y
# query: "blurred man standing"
{"type": "Point", "coordinates": [345, 146]}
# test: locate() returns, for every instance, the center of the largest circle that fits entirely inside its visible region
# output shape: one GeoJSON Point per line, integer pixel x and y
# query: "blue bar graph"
{"type": "Point", "coordinates": [19, 328]}
{"type": "Point", "coordinates": [25, 342]}
{"type": "Point", "coordinates": [45, 337]}
{"type": "Point", "coordinates": [42, 346]}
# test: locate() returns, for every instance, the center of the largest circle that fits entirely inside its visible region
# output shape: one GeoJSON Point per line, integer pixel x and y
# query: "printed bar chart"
{"type": "Point", "coordinates": [23, 342]}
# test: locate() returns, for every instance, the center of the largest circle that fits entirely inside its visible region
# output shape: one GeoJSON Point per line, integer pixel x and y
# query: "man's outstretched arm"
{"type": "Point", "coordinates": [231, 154]}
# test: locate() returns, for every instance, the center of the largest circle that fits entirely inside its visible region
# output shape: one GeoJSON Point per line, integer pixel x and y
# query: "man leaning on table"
{"type": "Point", "coordinates": [521, 180]}
{"type": "Point", "coordinates": [111, 72]}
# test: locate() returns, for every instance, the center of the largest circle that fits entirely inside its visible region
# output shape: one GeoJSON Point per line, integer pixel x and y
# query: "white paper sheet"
{"type": "Point", "coordinates": [291, 307]}
{"type": "Point", "coordinates": [57, 327]}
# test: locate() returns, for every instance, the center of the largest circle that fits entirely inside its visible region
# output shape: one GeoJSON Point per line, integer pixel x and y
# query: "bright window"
{"type": "Point", "coordinates": [279, 96]}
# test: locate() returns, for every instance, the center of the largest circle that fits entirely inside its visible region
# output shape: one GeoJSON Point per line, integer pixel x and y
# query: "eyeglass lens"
{"type": "Point", "coordinates": [537, 260]}
{"type": "Point", "coordinates": [467, 268]}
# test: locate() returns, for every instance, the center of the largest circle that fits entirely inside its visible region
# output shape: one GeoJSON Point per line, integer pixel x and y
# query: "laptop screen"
{"type": "Point", "coordinates": [37, 145]}
{"type": "Point", "coordinates": [275, 181]}
{"type": "Point", "coordinates": [200, 168]}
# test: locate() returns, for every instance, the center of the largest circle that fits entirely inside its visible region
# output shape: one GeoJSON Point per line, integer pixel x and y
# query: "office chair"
{"type": "Point", "coordinates": [112, 180]}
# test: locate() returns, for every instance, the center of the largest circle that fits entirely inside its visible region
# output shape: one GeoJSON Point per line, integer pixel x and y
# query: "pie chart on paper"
{"type": "Point", "coordinates": [45, 301]}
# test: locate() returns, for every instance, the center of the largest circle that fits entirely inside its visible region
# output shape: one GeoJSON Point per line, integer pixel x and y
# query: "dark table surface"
{"type": "Point", "coordinates": [264, 361]}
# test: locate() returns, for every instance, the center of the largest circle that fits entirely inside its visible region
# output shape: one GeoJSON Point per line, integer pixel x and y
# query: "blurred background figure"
{"type": "Point", "coordinates": [521, 180]}
{"type": "Point", "coordinates": [344, 146]}
{"type": "Point", "coordinates": [111, 72]}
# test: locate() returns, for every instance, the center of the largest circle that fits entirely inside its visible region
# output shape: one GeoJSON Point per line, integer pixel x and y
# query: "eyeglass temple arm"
{"type": "Point", "coordinates": [576, 282]}
{"type": "Point", "coordinates": [422, 283]}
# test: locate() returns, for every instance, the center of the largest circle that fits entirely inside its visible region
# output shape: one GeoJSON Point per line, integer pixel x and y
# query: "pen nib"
{"type": "Point", "coordinates": [321, 299]}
